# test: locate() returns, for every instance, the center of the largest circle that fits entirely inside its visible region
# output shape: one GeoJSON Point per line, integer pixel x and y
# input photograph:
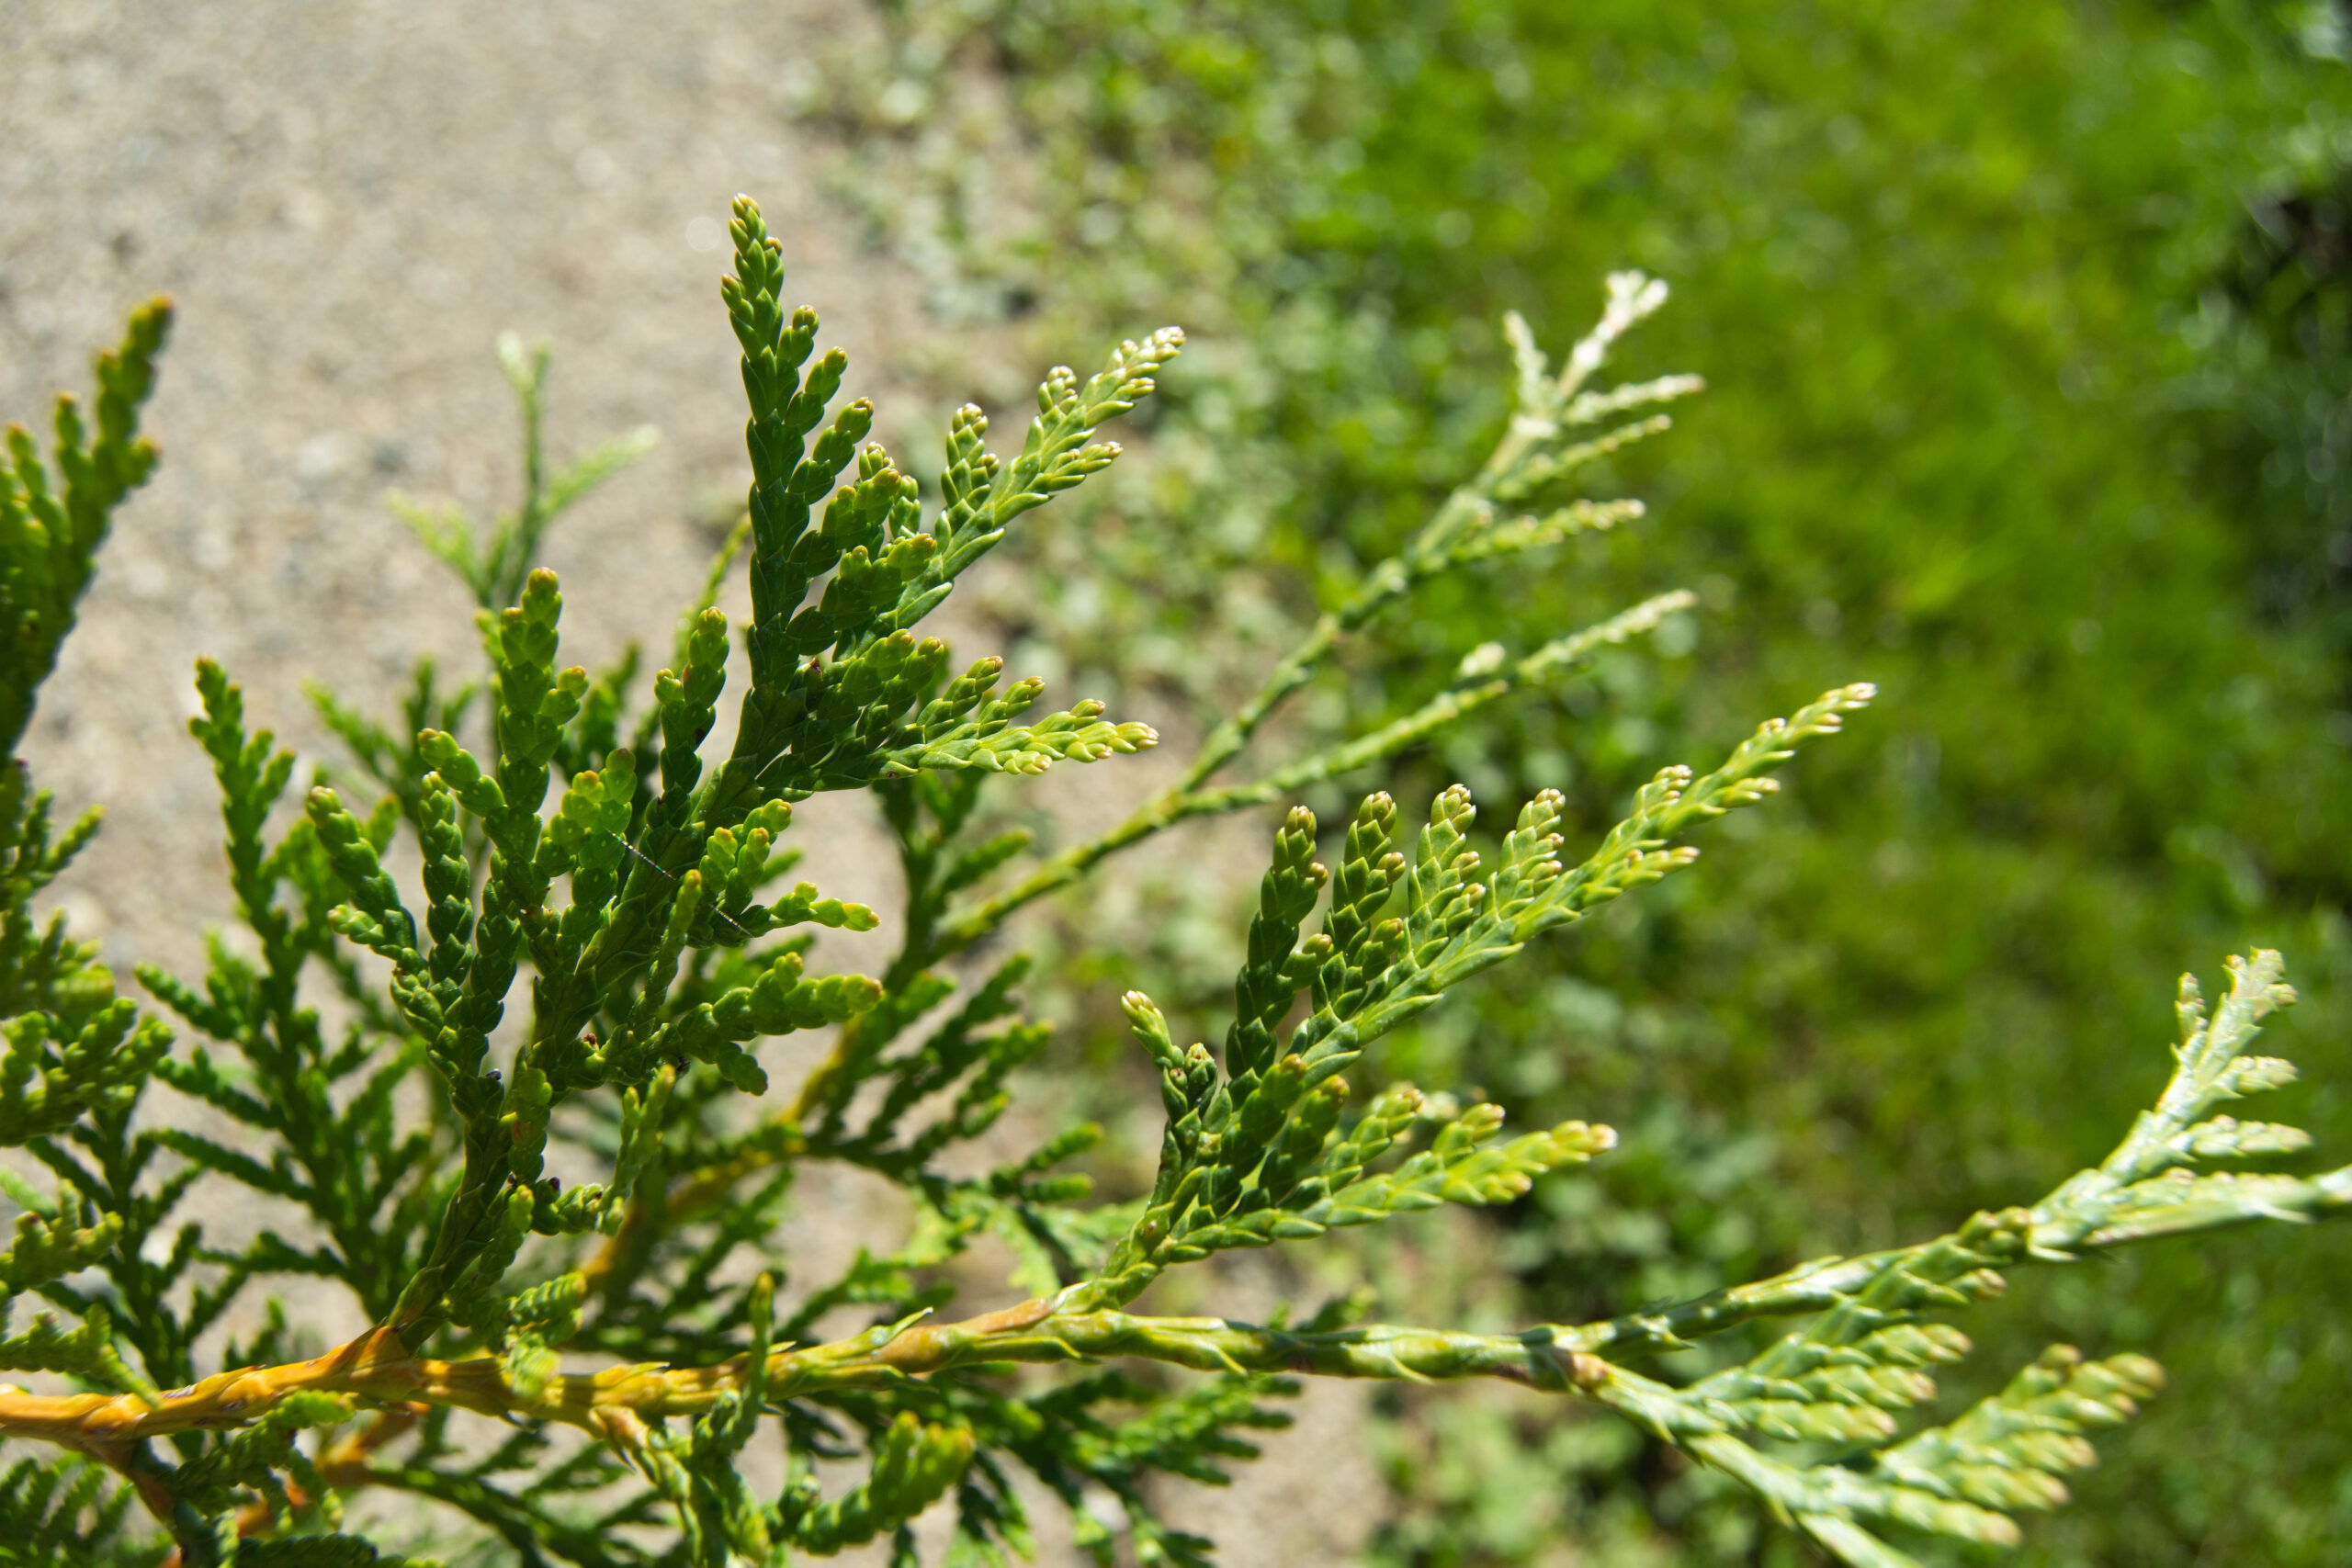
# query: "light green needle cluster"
{"type": "Point", "coordinates": [1875, 1336]}
{"type": "Point", "coordinates": [552, 934]}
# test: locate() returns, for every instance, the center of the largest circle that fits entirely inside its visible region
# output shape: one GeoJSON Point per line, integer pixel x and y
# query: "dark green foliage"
{"type": "Point", "coordinates": [61, 1513]}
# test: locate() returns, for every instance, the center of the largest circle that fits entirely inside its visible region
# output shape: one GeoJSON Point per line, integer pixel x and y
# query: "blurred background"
{"type": "Point", "coordinates": [2028, 334]}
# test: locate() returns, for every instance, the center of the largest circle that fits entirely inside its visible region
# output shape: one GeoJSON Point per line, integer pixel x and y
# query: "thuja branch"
{"type": "Point", "coordinates": [374, 1369]}
{"type": "Point", "coordinates": [2150, 1187]}
{"type": "Point", "coordinates": [1950, 1270]}
{"type": "Point", "coordinates": [1499, 513]}
{"type": "Point", "coordinates": [1508, 508]}
{"type": "Point", "coordinates": [559, 836]}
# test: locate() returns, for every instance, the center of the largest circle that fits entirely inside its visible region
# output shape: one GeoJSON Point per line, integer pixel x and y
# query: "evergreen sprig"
{"type": "Point", "coordinates": [51, 527]}
{"type": "Point", "coordinates": [538, 822]}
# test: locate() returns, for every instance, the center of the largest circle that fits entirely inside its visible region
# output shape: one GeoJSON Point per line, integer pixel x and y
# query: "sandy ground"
{"type": "Point", "coordinates": [349, 202]}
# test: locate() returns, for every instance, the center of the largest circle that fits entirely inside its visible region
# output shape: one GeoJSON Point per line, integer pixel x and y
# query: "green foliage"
{"type": "Point", "coordinates": [59, 1513]}
{"type": "Point", "coordinates": [76, 1056]}
{"type": "Point", "coordinates": [72, 1048]}
{"type": "Point", "coordinates": [412, 1141]}
{"type": "Point", "coordinates": [1843, 1380]}
{"type": "Point", "coordinates": [52, 527]}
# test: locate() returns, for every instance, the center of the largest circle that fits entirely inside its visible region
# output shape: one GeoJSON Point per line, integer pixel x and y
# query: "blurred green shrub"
{"type": "Point", "coordinates": [2026, 327]}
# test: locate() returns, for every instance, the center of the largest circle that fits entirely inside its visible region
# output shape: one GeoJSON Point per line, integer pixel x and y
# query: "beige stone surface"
{"type": "Point", "coordinates": [348, 202]}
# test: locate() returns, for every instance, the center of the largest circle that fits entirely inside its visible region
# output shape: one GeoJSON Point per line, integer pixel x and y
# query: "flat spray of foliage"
{"type": "Point", "coordinates": [574, 1374]}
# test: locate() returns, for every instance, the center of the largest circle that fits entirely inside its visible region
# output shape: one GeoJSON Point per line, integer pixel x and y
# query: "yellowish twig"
{"type": "Point", "coordinates": [376, 1368]}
